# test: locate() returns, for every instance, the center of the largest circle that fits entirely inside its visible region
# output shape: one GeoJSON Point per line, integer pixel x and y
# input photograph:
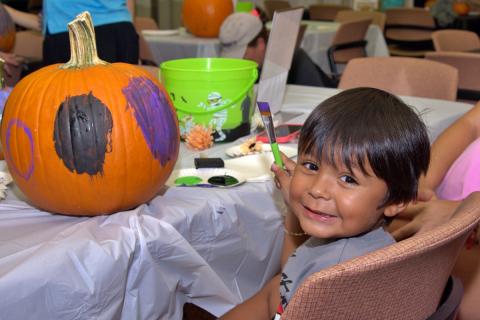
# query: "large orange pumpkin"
{"type": "Point", "coordinates": [89, 137]}
{"type": "Point", "coordinates": [203, 18]}
{"type": "Point", "coordinates": [7, 31]}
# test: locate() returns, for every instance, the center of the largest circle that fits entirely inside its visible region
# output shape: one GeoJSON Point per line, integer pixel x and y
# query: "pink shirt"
{"type": "Point", "coordinates": [463, 177]}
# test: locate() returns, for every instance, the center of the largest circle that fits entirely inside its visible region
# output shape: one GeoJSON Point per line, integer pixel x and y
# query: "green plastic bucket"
{"type": "Point", "coordinates": [215, 93]}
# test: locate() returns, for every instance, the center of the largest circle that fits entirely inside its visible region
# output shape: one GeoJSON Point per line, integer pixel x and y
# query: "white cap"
{"type": "Point", "coordinates": [236, 32]}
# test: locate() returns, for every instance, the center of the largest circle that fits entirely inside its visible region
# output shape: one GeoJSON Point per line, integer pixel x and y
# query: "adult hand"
{"type": "Point", "coordinates": [412, 209]}
{"type": "Point", "coordinates": [283, 176]}
{"type": "Point", "coordinates": [12, 61]}
{"type": "Point", "coordinates": [425, 216]}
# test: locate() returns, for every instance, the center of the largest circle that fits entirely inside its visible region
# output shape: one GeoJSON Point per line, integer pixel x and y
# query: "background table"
{"type": "Point", "coordinates": [212, 247]}
{"type": "Point", "coordinates": [180, 45]}
{"type": "Point", "coordinates": [318, 37]}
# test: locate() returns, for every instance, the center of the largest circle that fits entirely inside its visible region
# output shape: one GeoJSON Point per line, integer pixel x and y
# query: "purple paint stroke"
{"type": "Point", "coordinates": [154, 116]}
{"type": "Point", "coordinates": [18, 123]}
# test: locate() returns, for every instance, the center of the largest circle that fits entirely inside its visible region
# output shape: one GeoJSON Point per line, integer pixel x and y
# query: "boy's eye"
{"type": "Point", "coordinates": [310, 166]}
{"type": "Point", "coordinates": [348, 179]}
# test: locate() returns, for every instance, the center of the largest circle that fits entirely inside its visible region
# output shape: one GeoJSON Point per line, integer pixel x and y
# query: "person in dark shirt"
{"type": "Point", "coordinates": [243, 35]}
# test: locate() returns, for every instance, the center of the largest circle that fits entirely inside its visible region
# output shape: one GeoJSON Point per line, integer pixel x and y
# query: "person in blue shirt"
{"type": "Point", "coordinates": [360, 156]}
{"type": "Point", "coordinates": [117, 40]}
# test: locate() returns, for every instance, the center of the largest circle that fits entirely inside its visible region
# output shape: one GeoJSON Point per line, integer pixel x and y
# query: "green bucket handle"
{"type": "Point", "coordinates": [220, 108]}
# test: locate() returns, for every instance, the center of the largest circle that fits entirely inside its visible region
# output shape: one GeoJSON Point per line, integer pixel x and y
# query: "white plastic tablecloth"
{"type": "Point", "coordinates": [212, 247]}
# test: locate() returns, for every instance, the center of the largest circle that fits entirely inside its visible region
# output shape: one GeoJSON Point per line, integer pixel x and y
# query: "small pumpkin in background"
{"type": "Point", "coordinates": [89, 137]}
{"type": "Point", "coordinates": [203, 18]}
{"type": "Point", "coordinates": [461, 8]}
{"type": "Point", "coordinates": [7, 31]}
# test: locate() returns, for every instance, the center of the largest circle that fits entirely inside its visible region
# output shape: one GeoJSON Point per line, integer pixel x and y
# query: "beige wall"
{"type": "Point", "coordinates": [165, 12]}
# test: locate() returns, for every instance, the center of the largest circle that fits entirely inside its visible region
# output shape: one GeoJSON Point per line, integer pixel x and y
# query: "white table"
{"type": "Point", "coordinates": [316, 41]}
{"type": "Point", "coordinates": [212, 247]}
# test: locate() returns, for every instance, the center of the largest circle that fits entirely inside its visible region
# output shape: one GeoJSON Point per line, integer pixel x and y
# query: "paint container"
{"type": "Point", "coordinates": [205, 178]}
{"type": "Point", "coordinates": [215, 93]}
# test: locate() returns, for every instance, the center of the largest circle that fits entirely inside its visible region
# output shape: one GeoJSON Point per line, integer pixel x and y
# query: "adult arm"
{"type": "Point", "coordinates": [429, 212]}
{"type": "Point", "coordinates": [450, 145]}
{"type": "Point", "coordinates": [24, 19]}
{"type": "Point", "coordinates": [12, 61]}
{"type": "Point", "coordinates": [131, 7]}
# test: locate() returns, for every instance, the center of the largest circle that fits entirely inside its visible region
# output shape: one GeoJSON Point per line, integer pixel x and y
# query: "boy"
{"type": "Point", "coordinates": [361, 153]}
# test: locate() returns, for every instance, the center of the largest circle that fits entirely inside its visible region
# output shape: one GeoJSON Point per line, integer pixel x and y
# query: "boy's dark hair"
{"type": "Point", "coordinates": [368, 123]}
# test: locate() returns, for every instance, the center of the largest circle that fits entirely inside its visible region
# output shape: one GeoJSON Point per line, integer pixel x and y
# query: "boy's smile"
{"type": "Point", "coordinates": [319, 215]}
{"type": "Point", "coordinates": [332, 202]}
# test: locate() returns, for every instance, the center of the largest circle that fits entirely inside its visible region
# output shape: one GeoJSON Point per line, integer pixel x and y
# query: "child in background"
{"type": "Point", "coordinates": [361, 153]}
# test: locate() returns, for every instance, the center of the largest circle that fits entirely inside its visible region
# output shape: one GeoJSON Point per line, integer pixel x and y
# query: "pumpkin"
{"type": "Point", "coordinates": [7, 31]}
{"type": "Point", "coordinates": [203, 18]}
{"type": "Point", "coordinates": [88, 137]}
{"type": "Point", "coordinates": [461, 8]}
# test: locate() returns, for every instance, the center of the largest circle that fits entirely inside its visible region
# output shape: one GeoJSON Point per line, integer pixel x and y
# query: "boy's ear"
{"type": "Point", "coordinates": [393, 209]}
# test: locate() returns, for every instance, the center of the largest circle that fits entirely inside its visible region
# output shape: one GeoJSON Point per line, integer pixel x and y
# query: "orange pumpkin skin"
{"type": "Point", "coordinates": [131, 172]}
{"type": "Point", "coordinates": [203, 18]}
{"type": "Point", "coordinates": [7, 31]}
{"type": "Point", "coordinates": [461, 8]}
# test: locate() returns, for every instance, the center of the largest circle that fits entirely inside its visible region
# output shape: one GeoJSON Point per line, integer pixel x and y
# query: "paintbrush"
{"type": "Point", "coordinates": [268, 123]}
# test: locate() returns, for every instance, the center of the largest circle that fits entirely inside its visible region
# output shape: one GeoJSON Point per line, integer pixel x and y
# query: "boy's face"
{"type": "Point", "coordinates": [335, 203]}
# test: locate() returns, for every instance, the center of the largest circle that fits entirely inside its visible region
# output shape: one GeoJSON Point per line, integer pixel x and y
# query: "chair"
{"type": "Point", "coordinates": [348, 43]}
{"type": "Point", "coordinates": [408, 31]}
{"type": "Point", "coordinates": [273, 5]}
{"type": "Point", "coordinates": [455, 40]}
{"type": "Point", "coordinates": [29, 45]}
{"type": "Point", "coordinates": [468, 66]}
{"type": "Point", "coordinates": [145, 23]}
{"type": "Point", "coordinates": [402, 76]}
{"type": "Point", "coordinates": [450, 302]}
{"type": "Point", "coordinates": [325, 12]}
{"type": "Point", "coordinates": [402, 281]}
{"type": "Point", "coordinates": [377, 17]}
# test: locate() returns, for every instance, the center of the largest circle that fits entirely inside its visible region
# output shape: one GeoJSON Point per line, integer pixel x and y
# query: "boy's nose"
{"type": "Point", "coordinates": [321, 187]}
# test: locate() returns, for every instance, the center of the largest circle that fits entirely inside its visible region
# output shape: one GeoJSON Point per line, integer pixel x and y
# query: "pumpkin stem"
{"type": "Point", "coordinates": [83, 49]}
{"type": "Point", "coordinates": [2, 79]}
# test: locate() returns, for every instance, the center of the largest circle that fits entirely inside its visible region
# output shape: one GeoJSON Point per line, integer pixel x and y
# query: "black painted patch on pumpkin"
{"type": "Point", "coordinates": [82, 133]}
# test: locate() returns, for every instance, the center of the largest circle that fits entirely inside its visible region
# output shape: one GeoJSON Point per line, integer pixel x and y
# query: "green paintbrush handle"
{"type": "Point", "coordinates": [276, 155]}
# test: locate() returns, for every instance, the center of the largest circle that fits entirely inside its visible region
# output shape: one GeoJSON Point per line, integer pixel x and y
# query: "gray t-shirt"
{"type": "Point", "coordinates": [317, 254]}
